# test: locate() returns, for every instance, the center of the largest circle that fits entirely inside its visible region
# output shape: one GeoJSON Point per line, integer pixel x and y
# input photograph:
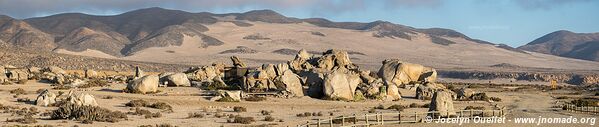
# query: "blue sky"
{"type": "Point", "coordinates": [512, 22]}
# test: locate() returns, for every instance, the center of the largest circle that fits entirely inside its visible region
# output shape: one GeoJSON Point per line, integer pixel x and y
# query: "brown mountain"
{"type": "Point", "coordinates": [179, 37]}
{"type": "Point", "coordinates": [20, 33]}
{"type": "Point", "coordinates": [568, 44]}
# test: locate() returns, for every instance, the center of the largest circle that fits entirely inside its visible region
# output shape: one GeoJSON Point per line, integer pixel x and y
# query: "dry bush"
{"type": "Point", "coordinates": [161, 105]}
{"type": "Point", "coordinates": [18, 91]}
{"type": "Point", "coordinates": [146, 113]}
{"type": "Point", "coordinates": [107, 97]}
{"type": "Point", "coordinates": [496, 99]}
{"type": "Point", "coordinates": [269, 118]}
{"type": "Point", "coordinates": [372, 110]}
{"type": "Point", "coordinates": [92, 113]}
{"type": "Point", "coordinates": [137, 103]}
{"type": "Point", "coordinates": [414, 105]}
{"type": "Point", "coordinates": [305, 114]}
{"type": "Point", "coordinates": [474, 108]}
{"type": "Point", "coordinates": [239, 109]}
{"type": "Point", "coordinates": [397, 107]}
{"type": "Point", "coordinates": [255, 98]}
{"type": "Point", "coordinates": [585, 102]}
{"type": "Point", "coordinates": [347, 120]}
{"type": "Point", "coordinates": [562, 97]}
{"type": "Point", "coordinates": [480, 97]}
{"type": "Point", "coordinates": [242, 120]}
{"type": "Point", "coordinates": [96, 82]}
{"type": "Point", "coordinates": [380, 107]}
{"type": "Point", "coordinates": [158, 125]}
{"type": "Point", "coordinates": [264, 112]}
{"type": "Point", "coordinates": [27, 119]}
{"type": "Point", "coordinates": [195, 115]}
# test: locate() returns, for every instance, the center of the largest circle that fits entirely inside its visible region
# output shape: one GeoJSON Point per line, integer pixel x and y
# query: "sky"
{"type": "Point", "coordinates": [512, 22]}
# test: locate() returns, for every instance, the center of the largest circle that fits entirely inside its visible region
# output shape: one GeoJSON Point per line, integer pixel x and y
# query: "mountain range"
{"type": "Point", "coordinates": [173, 36]}
{"type": "Point", "coordinates": [567, 44]}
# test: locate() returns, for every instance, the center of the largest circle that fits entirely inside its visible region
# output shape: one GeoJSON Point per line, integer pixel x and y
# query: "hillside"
{"type": "Point", "coordinates": [567, 44]}
{"type": "Point", "coordinates": [265, 36]}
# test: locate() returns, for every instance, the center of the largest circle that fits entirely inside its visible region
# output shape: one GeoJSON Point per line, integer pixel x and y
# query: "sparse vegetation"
{"type": "Point", "coordinates": [93, 113]}
{"type": "Point", "coordinates": [496, 99]}
{"type": "Point", "coordinates": [585, 102]}
{"type": "Point", "coordinates": [242, 120]}
{"type": "Point", "coordinates": [161, 105]}
{"type": "Point", "coordinates": [27, 119]}
{"type": "Point", "coordinates": [96, 82]}
{"type": "Point", "coordinates": [255, 98]}
{"type": "Point", "coordinates": [474, 108]}
{"type": "Point", "coordinates": [397, 107]}
{"type": "Point", "coordinates": [159, 125]}
{"type": "Point", "coordinates": [195, 115]}
{"type": "Point", "coordinates": [18, 91]}
{"type": "Point", "coordinates": [137, 103]}
{"type": "Point", "coordinates": [269, 118]}
{"type": "Point", "coordinates": [239, 109]}
{"type": "Point", "coordinates": [264, 112]}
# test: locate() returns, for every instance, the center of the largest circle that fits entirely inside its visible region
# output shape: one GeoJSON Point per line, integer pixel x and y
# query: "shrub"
{"type": "Point", "coordinates": [93, 113]}
{"type": "Point", "coordinates": [269, 118]}
{"type": "Point", "coordinates": [239, 109]}
{"type": "Point", "coordinates": [496, 99]}
{"type": "Point", "coordinates": [195, 115]}
{"type": "Point", "coordinates": [161, 105]}
{"type": "Point", "coordinates": [96, 82]}
{"type": "Point", "coordinates": [264, 112]}
{"type": "Point", "coordinates": [347, 120]}
{"type": "Point", "coordinates": [562, 97]}
{"type": "Point", "coordinates": [137, 103]}
{"type": "Point", "coordinates": [474, 108]}
{"type": "Point", "coordinates": [158, 125]}
{"type": "Point", "coordinates": [255, 98]}
{"type": "Point", "coordinates": [585, 102]}
{"type": "Point", "coordinates": [27, 119]}
{"type": "Point", "coordinates": [242, 120]}
{"type": "Point", "coordinates": [480, 97]}
{"type": "Point", "coordinates": [414, 105]}
{"type": "Point", "coordinates": [18, 91]}
{"type": "Point", "coordinates": [397, 107]}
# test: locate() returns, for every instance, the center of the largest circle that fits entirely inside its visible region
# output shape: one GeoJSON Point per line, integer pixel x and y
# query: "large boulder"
{"type": "Point", "coordinates": [225, 95]}
{"type": "Point", "coordinates": [55, 70]}
{"type": "Point", "coordinates": [82, 99]}
{"type": "Point", "coordinates": [290, 82]}
{"type": "Point", "coordinates": [34, 70]}
{"type": "Point", "coordinates": [395, 72]}
{"type": "Point", "coordinates": [45, 98]}
{"type": "Point", "coordinates": [442, 103]}
{"type": "Point", "coordinates": [18, 74]}
{"type": "Point", "coordinates": [177, 79]}
{"type": "Point", "coordinates": [340, 84]}
{"type": "Point", "coordinates": [146, 84]}
{"type": "Point", "coordinates": [258, 80]}
{"type": "Point", "coordinates": [426, 91]}
{"type": "Point", "coordinates": [300, 61]}
{"type": "Point", "coordinates": [393, 93]}
{"type": "Point", "coordinates": [204, 74]}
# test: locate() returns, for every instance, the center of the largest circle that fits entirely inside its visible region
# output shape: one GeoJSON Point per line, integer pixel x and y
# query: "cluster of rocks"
{"type": "Point", "coordinates": [47, 98]}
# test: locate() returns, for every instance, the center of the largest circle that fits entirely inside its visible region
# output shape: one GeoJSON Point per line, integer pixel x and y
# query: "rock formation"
{"type": "Point", "coordinates": [145, 84]}
{"type": "Point", "coordinates": [442, 103]}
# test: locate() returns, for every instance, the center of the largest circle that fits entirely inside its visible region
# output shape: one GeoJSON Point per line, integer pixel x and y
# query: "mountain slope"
{"type": "Point", "coordinates": [567, 44]}
{"type": "Point", "coordinates": [19, 33]}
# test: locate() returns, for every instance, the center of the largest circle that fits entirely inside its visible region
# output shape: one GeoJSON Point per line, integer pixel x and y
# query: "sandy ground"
{"type": "Point", "coordinates": [527, 103]}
